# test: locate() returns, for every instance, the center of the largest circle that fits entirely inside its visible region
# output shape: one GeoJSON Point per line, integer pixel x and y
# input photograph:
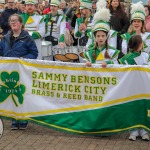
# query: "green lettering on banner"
{"type": "Point", "coordinates": [34, 83]}
{"type": "Point", "coordinates": [73, 78]}
{"type": "Point", "coordinates": [64, 77]}
{"type": "Point", "coordinates": [103, 90]}
{"type": "Point", "coordinates": [80, 79]}
{"type": "Point", "coordinates": [106, 80]}
{"type": "Point", "coordinates": [41, 76]}
{"type": "Point", "coordinates": [114, 81]}
{"type": "Point", "coordinates": [34, 74]}
{"type": "Point", "coordinates": [60, 87]}
{"type": "Point", "coordinates": [45, 85]}
{"type": "Point", "coordinates": [33, 91]}
{"type": "Point", "coordinates": [58, 95]}
{"type": "Point", "coordinates": [53, 86]}
{"type": "Point", "coordinates": [94, 90]}
{"type": "Point", "coordinates": [77, 89]}
{"type": "Point", "coordinates": [71, 96]}
{"type": "Point", "coordinates": [57, 77]}
{"type": "Point", "coordinates": [48, 76]}
{"type": "Point", "coordinates": [93, 98]}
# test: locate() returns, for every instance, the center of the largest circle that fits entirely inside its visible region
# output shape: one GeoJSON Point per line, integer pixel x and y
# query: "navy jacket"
{"type": "Point", "coordinates": [24, 46]}
{"type": "Point", "coordinates": [4, 19]}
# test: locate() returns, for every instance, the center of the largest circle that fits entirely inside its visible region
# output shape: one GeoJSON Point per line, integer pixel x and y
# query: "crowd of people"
{"type": "Point", "coordinates": [104, 29]}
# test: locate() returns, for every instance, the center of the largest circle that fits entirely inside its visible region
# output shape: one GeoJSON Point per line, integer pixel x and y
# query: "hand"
{"type": "Point", "coordinates": [104, 64]}
{"type": "Point", "coordinates": [81, 27]}
{"type": "Point", "coordinates": [137, 30]}
{"type": "Point", "coordinates": [84, 27]}
{"type": "Point", "coordinates": [88, 64]}
{"type": "Point", "coordinates": [62, 44]}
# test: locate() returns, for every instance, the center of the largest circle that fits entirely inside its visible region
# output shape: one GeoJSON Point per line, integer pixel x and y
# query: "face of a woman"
{"type": "Point", "coordinates": [15, 24]}
{"type": "Point", "coordinates": [115, 3]}
{"type": "Point", "coordinates": [147, 11]}
{"type": "Point", "coordinates": [137, 24]}
{"type": "Point", "coordinates": [100, 37]}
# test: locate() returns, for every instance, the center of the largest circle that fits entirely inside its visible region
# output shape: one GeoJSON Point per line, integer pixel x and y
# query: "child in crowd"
{"type": "Point", "coordinates": [136, 57]}
{"type": "Point", "coordinates": [101, 52]}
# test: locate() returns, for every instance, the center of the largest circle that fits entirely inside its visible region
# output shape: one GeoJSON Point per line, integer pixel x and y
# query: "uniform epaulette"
{"type": "Point", "coordinates": [91, 46]}
{"type": "Point", "coordinates": [127, 56]}
{"type": "Point", "coordinates": [114, 33]}
{"type": "Point", "coordinates": [110, 47]}
{"type": "Point", "coordinates": [144, 52]}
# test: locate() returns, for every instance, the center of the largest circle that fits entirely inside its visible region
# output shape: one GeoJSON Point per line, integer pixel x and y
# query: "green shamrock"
{"type": "Point", "coordinates": [11, 88]}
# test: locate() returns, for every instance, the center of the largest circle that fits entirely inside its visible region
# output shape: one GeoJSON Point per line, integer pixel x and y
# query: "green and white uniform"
{"type": "Point", "coordinates": [36, 27]}
{"type": "Point", "coordinates": [58, 28]}
{"type": "Point", "coordinates": [90, 24]}
{"type": "Point", "coordinates": [100, 55]}
{"type": "Point", "coordinates": [145, 37]}
{"type": "Point", "coordinates": [135, 58]}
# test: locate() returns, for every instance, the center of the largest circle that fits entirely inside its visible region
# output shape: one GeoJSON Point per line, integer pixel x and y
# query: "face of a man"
{"type": "Point", "coordinates": [22, 7]}
{"type": "Point", "coordinates": [46, 3]}
{"type": "Point", "coordinates": [83, 11]}
{"type": "Point", "coordinates": [11, 4]}
{"type": "Point", "coordinates": [30, 8]}
{"type": "Point", "coordinates": [54, 9]}
{"type": "Point", "coordinates": [62, 5]}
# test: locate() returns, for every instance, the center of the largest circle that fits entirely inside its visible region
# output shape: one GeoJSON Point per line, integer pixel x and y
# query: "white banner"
{"type": "Point", "coordinates": [31, 88]}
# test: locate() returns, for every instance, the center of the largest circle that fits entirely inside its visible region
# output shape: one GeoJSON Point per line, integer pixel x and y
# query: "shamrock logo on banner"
{"type": "Point", "coordinates": [11, 87]}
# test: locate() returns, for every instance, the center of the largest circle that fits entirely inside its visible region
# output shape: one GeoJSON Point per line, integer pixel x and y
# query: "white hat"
{"type": "Point", "coordinates": [85, 4]}
{"type": "Point", "coordinates": [137, 11]}
{"type": "Point", "coordinates": [30, 2]}
{"type": "Point", "coordinates": [55, 2]}
{"type": "Point", "coordinates": [101, 19]}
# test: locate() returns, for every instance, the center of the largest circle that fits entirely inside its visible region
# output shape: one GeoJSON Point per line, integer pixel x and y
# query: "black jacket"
{"type": "Point", "coordinates": [119, 22]}
{"type": "Point", "coordinates": [4, 19]}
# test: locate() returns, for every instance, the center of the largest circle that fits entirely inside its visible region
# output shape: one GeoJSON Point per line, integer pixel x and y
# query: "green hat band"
{"type": "Point", "coordinates": [138, 15]}
{"type": "Point", "coordinates": [30, 2]}
{"type": "Point", "coordinates": [55, 2]}
{"type": "Point", "coordinates": [85, 5]}
{"type": "Point", "coordinates": [104, 26]}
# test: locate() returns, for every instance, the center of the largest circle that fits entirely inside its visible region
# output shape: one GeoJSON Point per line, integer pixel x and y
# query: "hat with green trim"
{"type": "Point", "coordinates": [55, 2]}
{"type": "Point", "coordinates": [101, 19]}
{"type": "Point", "coordinates": [30, 2]}
{"type": "Point", "coordinates": [85, 4]}
{"type": "Point", "coordinates": [138, 11]}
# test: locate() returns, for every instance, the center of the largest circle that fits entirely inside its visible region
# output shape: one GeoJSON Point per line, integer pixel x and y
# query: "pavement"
{"type": "Point", "coordinates": [36, 137]}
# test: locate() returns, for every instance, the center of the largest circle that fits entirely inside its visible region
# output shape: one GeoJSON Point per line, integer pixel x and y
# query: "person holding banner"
{"type": "Point", "coordinates": [18, 43]}
{"type": "Point", "coordinates": [136, 27]}
{"type": "Point", "coordinates": [136, 57]}
{"type": "Point", "coordinates": [112, 34]}
{"type": "Point", "coordinates": [101, 52]}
